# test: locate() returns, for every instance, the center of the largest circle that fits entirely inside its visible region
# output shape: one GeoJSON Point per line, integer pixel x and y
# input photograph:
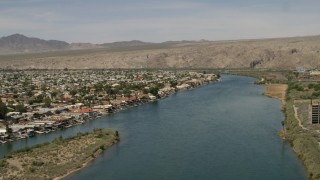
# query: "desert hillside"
{"type": "Point", "coordinates": [18, 43]}
{"type": "Point", "coordinates": [284, 53]}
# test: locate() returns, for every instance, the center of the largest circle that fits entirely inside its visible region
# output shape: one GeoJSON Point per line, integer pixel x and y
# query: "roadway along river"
{"type": "Point", "coordinates": [226, 130]}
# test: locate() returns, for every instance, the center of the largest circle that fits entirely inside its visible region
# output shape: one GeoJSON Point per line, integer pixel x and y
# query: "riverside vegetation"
{"type": "Point", "coordinates": [58, 158]}
{"type": "Point", "coordinates": [304, 137]}
{"type": "Point", "coordinates": [305, 142]}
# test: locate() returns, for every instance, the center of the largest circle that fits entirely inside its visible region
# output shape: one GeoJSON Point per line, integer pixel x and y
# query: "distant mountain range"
{"type": "Point", "coordinates": [126, 44]}
{"type": "Point", "coordinates": [281, 53]}
{"type": "Point", "coordinates": [18, 43]}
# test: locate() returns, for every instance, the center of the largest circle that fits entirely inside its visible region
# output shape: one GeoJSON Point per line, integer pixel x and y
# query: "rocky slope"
{"type": "Point", "coordinates": [285, 53]}
{"type": "Point", "coordinates": [18, 43]}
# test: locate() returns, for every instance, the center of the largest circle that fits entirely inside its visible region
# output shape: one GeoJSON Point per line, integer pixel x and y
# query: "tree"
{"type": "Point", "coordinates": [173, 83]}
{"type": "Point", "coordinates": [9, 130]}
{"type": "Point", "coordinates": [30, 102]}
{"type": "Point", "coordinates": [43, 87]}
{"type": "Point", "coordinates": [36, 115]}
{"type": "Point", "coordinates": [160, 85]}
{"type": "Point", "coordinates": [154, 90]}
{"type": "Point", "coordinates": [20, 108]}
{"type": "Point", "coordinates": [29, 93]}
{"type": "Point", "coordinates": [39, 98]}
{"type": "Point", "coordinates": [3, 110]}
{"type": "Point", "coordinates": [73, 92]}
{"type": "Point", "coordinates": [47, 102]}
{"type": "Point", "coordinates": [54, 94]}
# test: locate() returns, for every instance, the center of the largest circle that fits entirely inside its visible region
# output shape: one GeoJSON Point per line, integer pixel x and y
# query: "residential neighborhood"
{"type": "Point", "coordinates": [40, 101]}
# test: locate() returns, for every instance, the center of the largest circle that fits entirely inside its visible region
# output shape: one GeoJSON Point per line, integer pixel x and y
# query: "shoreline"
{"type": "Point", "coordinates": [117, 108]}
{"type": "Point", "coordinates": [301, 141]}
{"type": "Point", "coordinates": [276, 91]}
{"type": "Point", "coordinates": [98, 153]}
{"type": "Point", "coordinates": [86, 163]}
{"type": "Point", "coordinates": [58, 159]}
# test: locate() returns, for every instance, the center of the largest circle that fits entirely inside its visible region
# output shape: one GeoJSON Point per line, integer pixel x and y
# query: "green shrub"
{"type": "Point", "coordinates": [32, 169]}
{"type": "Point", "coordinates": [37, 163]}
{"type": "Point", "coordinates": [316, 94]}
{"type": "Point", "coordinates": [3, 163]}
{"type": "Point", "coordinates": [296, 86]}
{"type": "Point", "coordinates": [102, 147]}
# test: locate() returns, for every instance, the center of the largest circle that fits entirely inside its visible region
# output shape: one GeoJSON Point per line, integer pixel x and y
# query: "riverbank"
{"type": "Point", "coordinates": [59, 158]}
{"type": "Point", "coordinates": [61, 113]}
{"type": "Point", "coordinates": [302, 140]}
{"type": "Point", "coordinates": [277, 91]}
{"type": "Point", "coordinates": [185, 123]}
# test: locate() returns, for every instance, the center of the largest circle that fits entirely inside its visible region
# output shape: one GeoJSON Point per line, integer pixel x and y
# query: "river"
{"type": "Point", "coordinates": [225, 130]}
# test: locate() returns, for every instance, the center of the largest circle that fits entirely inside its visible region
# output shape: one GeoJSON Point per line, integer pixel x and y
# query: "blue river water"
{"type": "Point", "coordinates": [225, 130]}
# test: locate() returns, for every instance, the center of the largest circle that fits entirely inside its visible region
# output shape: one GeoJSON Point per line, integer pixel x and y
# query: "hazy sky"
{"type": "Point", "coordinates": [99, 21]}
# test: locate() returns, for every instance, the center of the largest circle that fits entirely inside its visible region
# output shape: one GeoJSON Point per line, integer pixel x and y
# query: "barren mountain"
{"type": "Point", "coordinates": [18, 43]}
{"type": "Point", "coordinates": [284, 53]}
{"type": "Point", "coordinates": [125, 44]}
{"type": "Point", "coordinates": [75, 46]}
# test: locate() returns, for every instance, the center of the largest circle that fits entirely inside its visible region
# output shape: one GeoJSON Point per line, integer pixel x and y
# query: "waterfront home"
{"type": "Point", "coordinates": [3, 131]}
{"type": "Point", "coordinates": [42, 122]}
{"type": "Point", "coordinates": [82, 111]}
{"type": "Point", "coordinates": [166, 91]}
{"type": "Point", "coordinates": [315, 72]}
{"type": "Point", "coordinates": [194, 82]}
{"type": "Point", "coordinates": [102, 108]}
{"type": "Point", "coordinates": [3, 137]}
{"type": "Point", "coordinates": [116, 102]}
{"type": "Point", "coordinates": [210, 77]}
{"type": "Point", "coordinates": [20, 130]}
{"type": "Point", "coordinates": [28, 115]}
{"type": "Point", "coordinates": [70, 91]}
{"type": "Point", "coordinates": [152, 97]}
{"type": "Point", "coordinates": [183, 86]}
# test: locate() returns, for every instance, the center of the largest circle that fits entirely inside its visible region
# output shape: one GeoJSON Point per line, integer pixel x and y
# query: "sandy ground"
{"type": "Point", "coordinates": [277, 91]}
{"type": "Point", "coordinates": [59, 158]}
